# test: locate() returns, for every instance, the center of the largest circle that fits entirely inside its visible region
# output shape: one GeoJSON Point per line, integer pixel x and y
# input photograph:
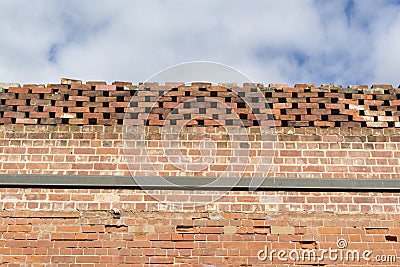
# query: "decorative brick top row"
{"type": "Point", "coordinates": [97, 103]}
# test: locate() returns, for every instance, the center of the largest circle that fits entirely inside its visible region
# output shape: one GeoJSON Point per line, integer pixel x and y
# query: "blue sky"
{"type": "Point", "coordinates": [286, 41]}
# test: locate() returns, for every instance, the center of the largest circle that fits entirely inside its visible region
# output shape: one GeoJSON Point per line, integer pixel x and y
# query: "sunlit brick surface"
{"type": "Point", "coordinates": [309, 152]}
{"type": "Point", "coordinates": [69, 227]}
{"type": "Point", "coordinates": [78, 129]}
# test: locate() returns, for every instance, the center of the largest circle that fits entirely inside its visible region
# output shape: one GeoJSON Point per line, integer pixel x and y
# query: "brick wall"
{"type": "Point", "coordinates": [299, 152]}
{"type": "Point", "coordinates": [77, 129]}
{"type": "Point", "coordinates": [70, 227]}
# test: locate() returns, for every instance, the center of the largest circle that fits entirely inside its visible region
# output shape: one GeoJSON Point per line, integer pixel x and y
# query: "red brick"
{"type": "Point", "coordinates": [78, 121]}
{"type": "Point", "coordinates": [59, 197]}
{"type": "Point", "coordinates": [104, 87]}
{"type": "Point", "coordinates": [161, 260]}
{"type": "Point", "coordinates": [79, 151]}
{"type": "Point", "coordinates": [68, 228]}
{"type": "Point", "coordinates": [87, 259]}
{"type": "Point", "coordinates": [26, 121]}
{"type": "Point", "coordinates": [35, 115]}
{"type": "Point", "coordinates": [40, 90]}
{"type": "Point", "coordinates": [18, 90]}
{"type": "Point", "coordinates": [107, 151]}
{"type": "Point", "coordinates": [19, 228]}
{"type": "Point", "coordinates": [93, 229]}
{"type": "Point", "coordinates": [52, 109]}
{"type": "Point", "coordinates": [11, 114]}
{"type": "Point", "coordinates": [290, 153]}
{"type": "Point", "coordinates": [78, 109]}
{"type": "Point", "coordinates": [65, 103]}
{"type": "Point", "coordinates": [26, 109]}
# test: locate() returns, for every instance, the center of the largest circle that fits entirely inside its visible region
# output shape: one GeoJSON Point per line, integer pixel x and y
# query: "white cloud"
{"type": "Point", "coordinates": [270, 41]}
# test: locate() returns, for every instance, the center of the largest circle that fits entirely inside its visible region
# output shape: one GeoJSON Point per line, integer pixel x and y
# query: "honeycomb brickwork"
{"type": "Point", "coordinates": [96, 103]}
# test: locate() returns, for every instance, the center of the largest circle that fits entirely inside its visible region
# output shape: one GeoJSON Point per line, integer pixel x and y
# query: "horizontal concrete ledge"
{"type": "Point", "coordinates": [193, 183]}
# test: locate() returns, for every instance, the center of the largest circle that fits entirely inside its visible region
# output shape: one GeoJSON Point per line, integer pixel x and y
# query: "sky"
{"type": "Point", "coordinates": [288, 41]}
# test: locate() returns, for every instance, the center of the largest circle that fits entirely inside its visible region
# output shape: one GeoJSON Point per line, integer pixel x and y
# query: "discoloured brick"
{"type": "Point", "coordinates": [282, 230]}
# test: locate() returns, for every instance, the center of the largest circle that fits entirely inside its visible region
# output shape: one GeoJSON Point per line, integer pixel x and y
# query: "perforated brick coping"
{"type": "Point", "coordinates": [96, 103]}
